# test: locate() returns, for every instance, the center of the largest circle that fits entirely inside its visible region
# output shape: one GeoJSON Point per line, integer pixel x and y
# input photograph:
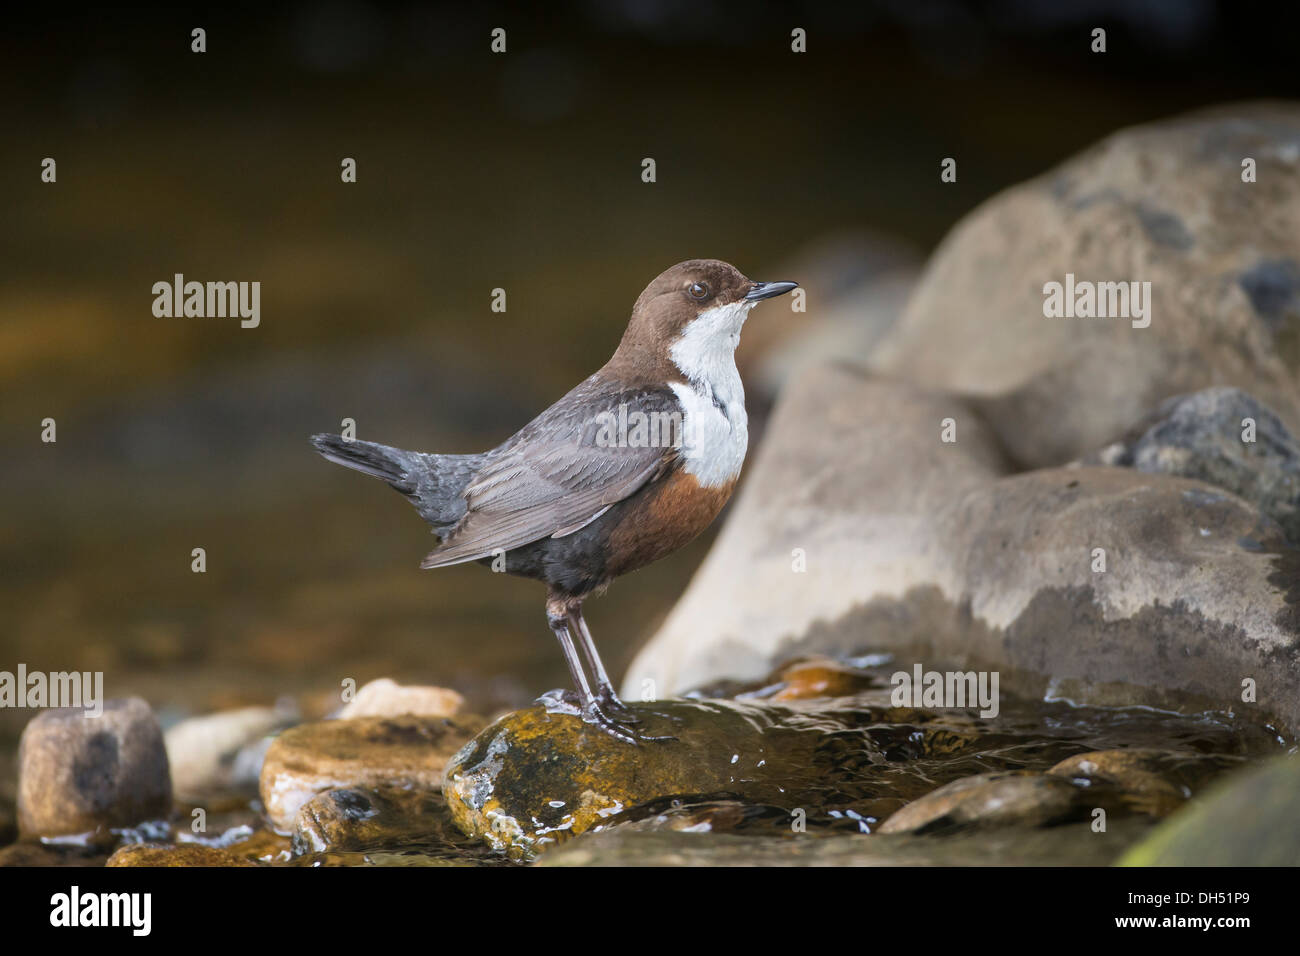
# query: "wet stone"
{"type": "Point", "coordinates": [994, 799]}
{"type": "Point", "coordinates": [264, 846]}
{"type": "Point", "coordinates": [184, 854]}
{"type": "Point", "coordinates": [814, 677]}
{"type": "Point", "coordinates": [354, 820]}
{"type": "Point", "coordinates": [28, 853]}
{"type": "Point", "coordinates": [81, 774]}
{"type": "Point", "coordinates": [366, 752]}
{"type": "Point", "coordinates": [1154, 782]}
{"type": "Point", "coordinates": [534, 778]}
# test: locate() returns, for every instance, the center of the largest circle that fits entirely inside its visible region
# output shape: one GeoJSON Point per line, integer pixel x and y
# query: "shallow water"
{"type": "Point", "coordinates": [749, 764]}
{"type": "Point", "coordinates": [847, 762]}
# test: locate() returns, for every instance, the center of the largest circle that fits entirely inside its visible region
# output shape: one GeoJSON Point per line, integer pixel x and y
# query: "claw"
{"type": "Point", "coordinates": [617, 728]}
{"type": "Point", "coordinates": [610, 703]}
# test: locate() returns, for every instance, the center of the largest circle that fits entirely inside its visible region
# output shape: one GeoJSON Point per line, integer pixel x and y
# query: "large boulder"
{"type": "Point", "coordinates": [1163, 203]}
{"type": "Point", "coordinates": [1100, 585]}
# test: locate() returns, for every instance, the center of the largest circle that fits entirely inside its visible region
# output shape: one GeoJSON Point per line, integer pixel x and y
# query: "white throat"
{"type": "Point", "coordinates": [715, 428]}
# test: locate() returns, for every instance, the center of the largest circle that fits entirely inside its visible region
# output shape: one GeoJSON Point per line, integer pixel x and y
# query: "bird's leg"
{"type": "Point", "coordinates": [591, 705]}
{"type": "Point", "coordinates": [604, 687]}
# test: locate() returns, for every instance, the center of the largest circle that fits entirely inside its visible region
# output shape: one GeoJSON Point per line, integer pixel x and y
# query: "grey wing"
{"type": "Point", "coordinates": [561, 471]}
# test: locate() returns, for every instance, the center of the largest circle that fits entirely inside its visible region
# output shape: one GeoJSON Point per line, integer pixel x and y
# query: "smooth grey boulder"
{"type": "Point", "coordinates": [1162, 203]}
{"type": "Point", "coordinates": [79, 774]}
{"type": "Point", "coordinates": [1097, 585]}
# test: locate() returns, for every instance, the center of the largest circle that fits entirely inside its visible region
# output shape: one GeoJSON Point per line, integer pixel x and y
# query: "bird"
{"type": "Point", "coordinates": [627, 467]}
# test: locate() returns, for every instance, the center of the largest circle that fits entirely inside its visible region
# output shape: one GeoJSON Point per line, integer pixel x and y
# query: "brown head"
{"type": "Point", "coordinates": [698, 305]}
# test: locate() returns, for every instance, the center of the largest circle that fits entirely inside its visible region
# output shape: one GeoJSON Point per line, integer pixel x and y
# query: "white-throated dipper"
{"type": "Point", "coordinates": [627, 467]}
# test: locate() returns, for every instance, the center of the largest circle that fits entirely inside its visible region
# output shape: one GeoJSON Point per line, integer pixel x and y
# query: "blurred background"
{"type": "Point", "coordinates": [475, 171]}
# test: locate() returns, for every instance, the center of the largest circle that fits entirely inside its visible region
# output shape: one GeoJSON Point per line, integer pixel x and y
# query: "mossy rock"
{"type": "Point", "coordinates": [535, 777]}
{"type": "Point", "coordinates": [1250, 819]}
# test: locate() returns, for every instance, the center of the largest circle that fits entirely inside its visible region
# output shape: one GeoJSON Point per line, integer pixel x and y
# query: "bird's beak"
{"type": "Point", "coordinates": [765, 290]}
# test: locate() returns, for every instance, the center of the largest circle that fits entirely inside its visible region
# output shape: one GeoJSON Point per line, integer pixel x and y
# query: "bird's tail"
{"type": "Point", "coordinates": [367, 457]}
{"type": "Point", "coordinates": [433, 483]}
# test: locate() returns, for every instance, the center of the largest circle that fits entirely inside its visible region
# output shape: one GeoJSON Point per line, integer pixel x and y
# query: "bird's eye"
{"type": "Point", "coordinates": [698, 290]}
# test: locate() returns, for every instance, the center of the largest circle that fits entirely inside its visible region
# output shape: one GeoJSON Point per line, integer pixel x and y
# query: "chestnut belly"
{"type": "Point", "coordinates": [657, 520]}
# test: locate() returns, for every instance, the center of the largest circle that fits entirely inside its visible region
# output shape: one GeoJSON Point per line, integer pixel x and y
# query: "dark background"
{"type": "Point", "coordinates": [475, 171]}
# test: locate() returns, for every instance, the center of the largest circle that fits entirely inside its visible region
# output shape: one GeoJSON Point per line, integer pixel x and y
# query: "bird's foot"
{"type": "Point", "coordinates": [618, 727]}
{"type": "Point", "coordinates": [610, 703]}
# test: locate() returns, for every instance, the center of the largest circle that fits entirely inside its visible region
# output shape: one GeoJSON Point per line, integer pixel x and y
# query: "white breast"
{"type": "Point", "coordinates": [715, 428]}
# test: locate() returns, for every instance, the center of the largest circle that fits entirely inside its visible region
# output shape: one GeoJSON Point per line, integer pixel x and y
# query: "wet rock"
{"type": "Point", "coordinates": [1161, 203]}
{"type": "Point", "coordinates": [213, 753]}
{"type": "Point", "coordinates": [812, 678]}
{"type": "Point", "coordinates": [386, 698]}
{"type": "Point", "coordinates": [535, 777]}
{"type": "Point", "coordinates": [184, 854]}
{"type": "Point", "coordinates": [994, 799]}
{"type": "Point", "coordinates": [81, 774]}
{"type": "Point", "coordinates": [263, 846]}
{"type": "Point", "coordinates": [932, 552]}
{"type": "Point", "coordinates": [1252, 818]}
{"type": "Point", "coordinates": [357, 819]}
{"type": "Point", "coordinates": [1004, 846]}
{"type": "Point", "coordinates": [1154, 782]}
{"type": "Point", "coordinates": [29, 853]}
{"type": "Point", "coordinates": [1200, 436]}
{"type": "Point", "coordinates": [363, 752]}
